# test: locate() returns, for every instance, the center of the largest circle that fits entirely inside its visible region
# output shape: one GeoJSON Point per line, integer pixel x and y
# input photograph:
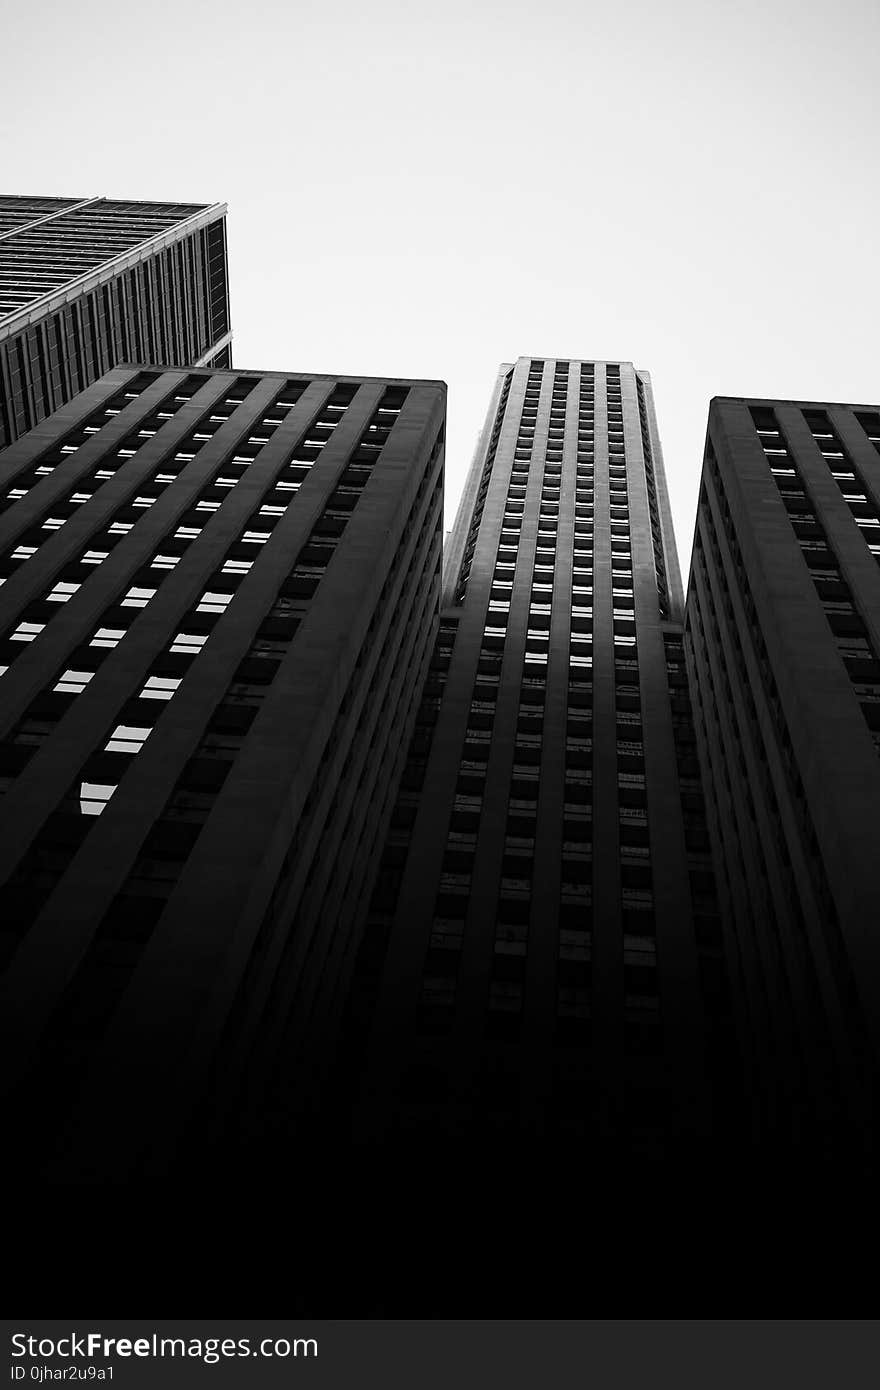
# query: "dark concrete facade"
{"type": "Point", "coordinates": [783, 650]}
{"type": "Point", "coordinates": [88, 283]}
{"type": "Point", "coordinates": [221, 594]}
{"type": "Point", "coordinates": [543, 956]}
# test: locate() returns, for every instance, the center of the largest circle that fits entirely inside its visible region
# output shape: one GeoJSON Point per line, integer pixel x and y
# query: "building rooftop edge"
{"type": "Point", "coordinates": [552, 357]}
{"type": "Point", "coordinates": [102, 197]}
{"type": "Point", "coordinates": [789, 400]}
{"type": "Point", "coordinates": [280, 372]}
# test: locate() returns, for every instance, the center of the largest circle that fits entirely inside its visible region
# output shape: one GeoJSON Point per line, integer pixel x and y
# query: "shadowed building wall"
{"type": "Point", "coordinates": [220, 598]}
{"type": "Point", "coordinates": [783, 649]}
{"type": "Point", "coordinates": [544, 955]}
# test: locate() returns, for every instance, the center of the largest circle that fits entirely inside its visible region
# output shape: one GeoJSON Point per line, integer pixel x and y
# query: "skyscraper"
{"type": "Point", "coordinates": [220, 595]}
{"type": "Point", "coordinates": [783, 648]}
{"type": "Point", "coordinates": [88, 283]}
{"type": "Point", "coordinates": [543, 955]}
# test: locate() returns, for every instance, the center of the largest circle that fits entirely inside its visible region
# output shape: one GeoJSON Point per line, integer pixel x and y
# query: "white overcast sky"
{"type": "Point", "coordinates": [429, 190]}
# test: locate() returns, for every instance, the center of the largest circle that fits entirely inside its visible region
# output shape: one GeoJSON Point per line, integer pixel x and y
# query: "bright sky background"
{"type": "Point", "coordinates": [429, 190]}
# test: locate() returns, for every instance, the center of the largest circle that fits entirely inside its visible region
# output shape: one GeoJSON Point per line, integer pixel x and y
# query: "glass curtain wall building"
{"type": "Point", "coordinates": [88, 283]}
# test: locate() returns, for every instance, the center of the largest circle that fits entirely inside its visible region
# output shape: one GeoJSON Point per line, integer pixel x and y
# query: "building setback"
{"type": "Point", "coordinates": [86, 283]}
{"type": "Point", "coordinates": [543, 955]}
{"type": "Point", "coordinates": [220, 597]}
{"type": "Point", "coordinates": [783, 651]}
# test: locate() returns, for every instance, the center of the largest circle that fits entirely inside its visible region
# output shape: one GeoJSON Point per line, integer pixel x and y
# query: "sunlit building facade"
{"type": "Point", "coordinates": [87, 283]}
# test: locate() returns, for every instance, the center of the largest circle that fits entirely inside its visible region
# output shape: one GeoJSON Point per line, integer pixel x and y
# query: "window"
{"type": "Point", "coordinates": [190, 643]}
{"type": "Point", "coordinates": [93, 797]}
{"type": "Point", "coordinates": [26, 632]}
{"type": "Point", "coordinates": [211, 602]}
{"type": "Point", "coordinates": [137, 598]}
{"type": "Point", "coordinates": [107, 637]}
{"type": "Point", "coordinates": [62, 592]}
{"type": "Point", "coordinates": [73, 682]}
{"type": "Point", "coordinates": [127, 738]}
{"type": "Point", "coordinates": [157, 687]}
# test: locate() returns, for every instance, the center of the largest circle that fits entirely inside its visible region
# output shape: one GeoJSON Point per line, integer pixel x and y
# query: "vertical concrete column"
{"type": "Point", "coordinates": [607, 939]}
{"type": "Point", "coordinates": [680, 1003]}
{"type": "Point", "coordinates": [543, 947]}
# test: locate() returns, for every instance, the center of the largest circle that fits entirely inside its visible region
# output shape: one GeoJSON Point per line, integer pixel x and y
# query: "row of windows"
{"type": "Point", "coordinates": [128, 924]}
{"type": "Point", "coordinates": [748, 834]}
{"type": "Point", "coordinates": [344, 853]}
{"type": "Point", "coordinates": [515, 885]}
{"type": "Point", "coordinates": [653, 503]}
{"type": "Point", "coordinates": [100, 775]}
{"type": "Point", "coordinates": [168, 471]}
{"type": "Point", "coordinates": [827, 912]}
{"type": "Point", "coordinates": [425, 715]}
{"type": "Point", "coordinates": [189, 525]}
{"type": "Point", "coordinates": [482, 491]}
{"type": "Point", "coordinates": [696, 835]}
{"type": "Point", "coordinates": [62, 452]}
{"type": "Point", "coordinates": [290, 605]}
{"type": "Point", "coordinates": [505, 995]}
{"type": "Point", "coordinates": [850, 632]}
{"type": "Point", "coordinates": [849, 480]}
{"type": "Point", "coordinates": [512, 921]}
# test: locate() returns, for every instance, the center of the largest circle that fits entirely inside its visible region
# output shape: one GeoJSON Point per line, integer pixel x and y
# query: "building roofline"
{"type": "Point", "coordinates": [47, 217]}
{"type": "Point", "coordinates": [787, 400]}
{"type": "Point", "coordinates": [92, 279]}
{"type": "Point", "coordinates": [577, 357]}
{"type": "Point", "coordinates": [279, 372]}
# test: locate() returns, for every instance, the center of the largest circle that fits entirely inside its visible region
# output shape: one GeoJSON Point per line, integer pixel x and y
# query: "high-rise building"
{"type": "Point", "coordinates": [543, 954]}
{"type": "Point", "coordinates": [783, 649]}
{"type": "Point", "coordinates": [219, 598]}
{"type": "Point", "coordinates": [87, 283]}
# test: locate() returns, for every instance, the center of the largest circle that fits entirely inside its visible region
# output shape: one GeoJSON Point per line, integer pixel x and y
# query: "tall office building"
{"type": "Point", "coordinates": [783, 649]}
{"type": "Point", "coordinates": [87, 283]}
{"type": "Point", "coordinates": [219, 599]}
{"type": "Point", "coordinates": [543, 955]}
